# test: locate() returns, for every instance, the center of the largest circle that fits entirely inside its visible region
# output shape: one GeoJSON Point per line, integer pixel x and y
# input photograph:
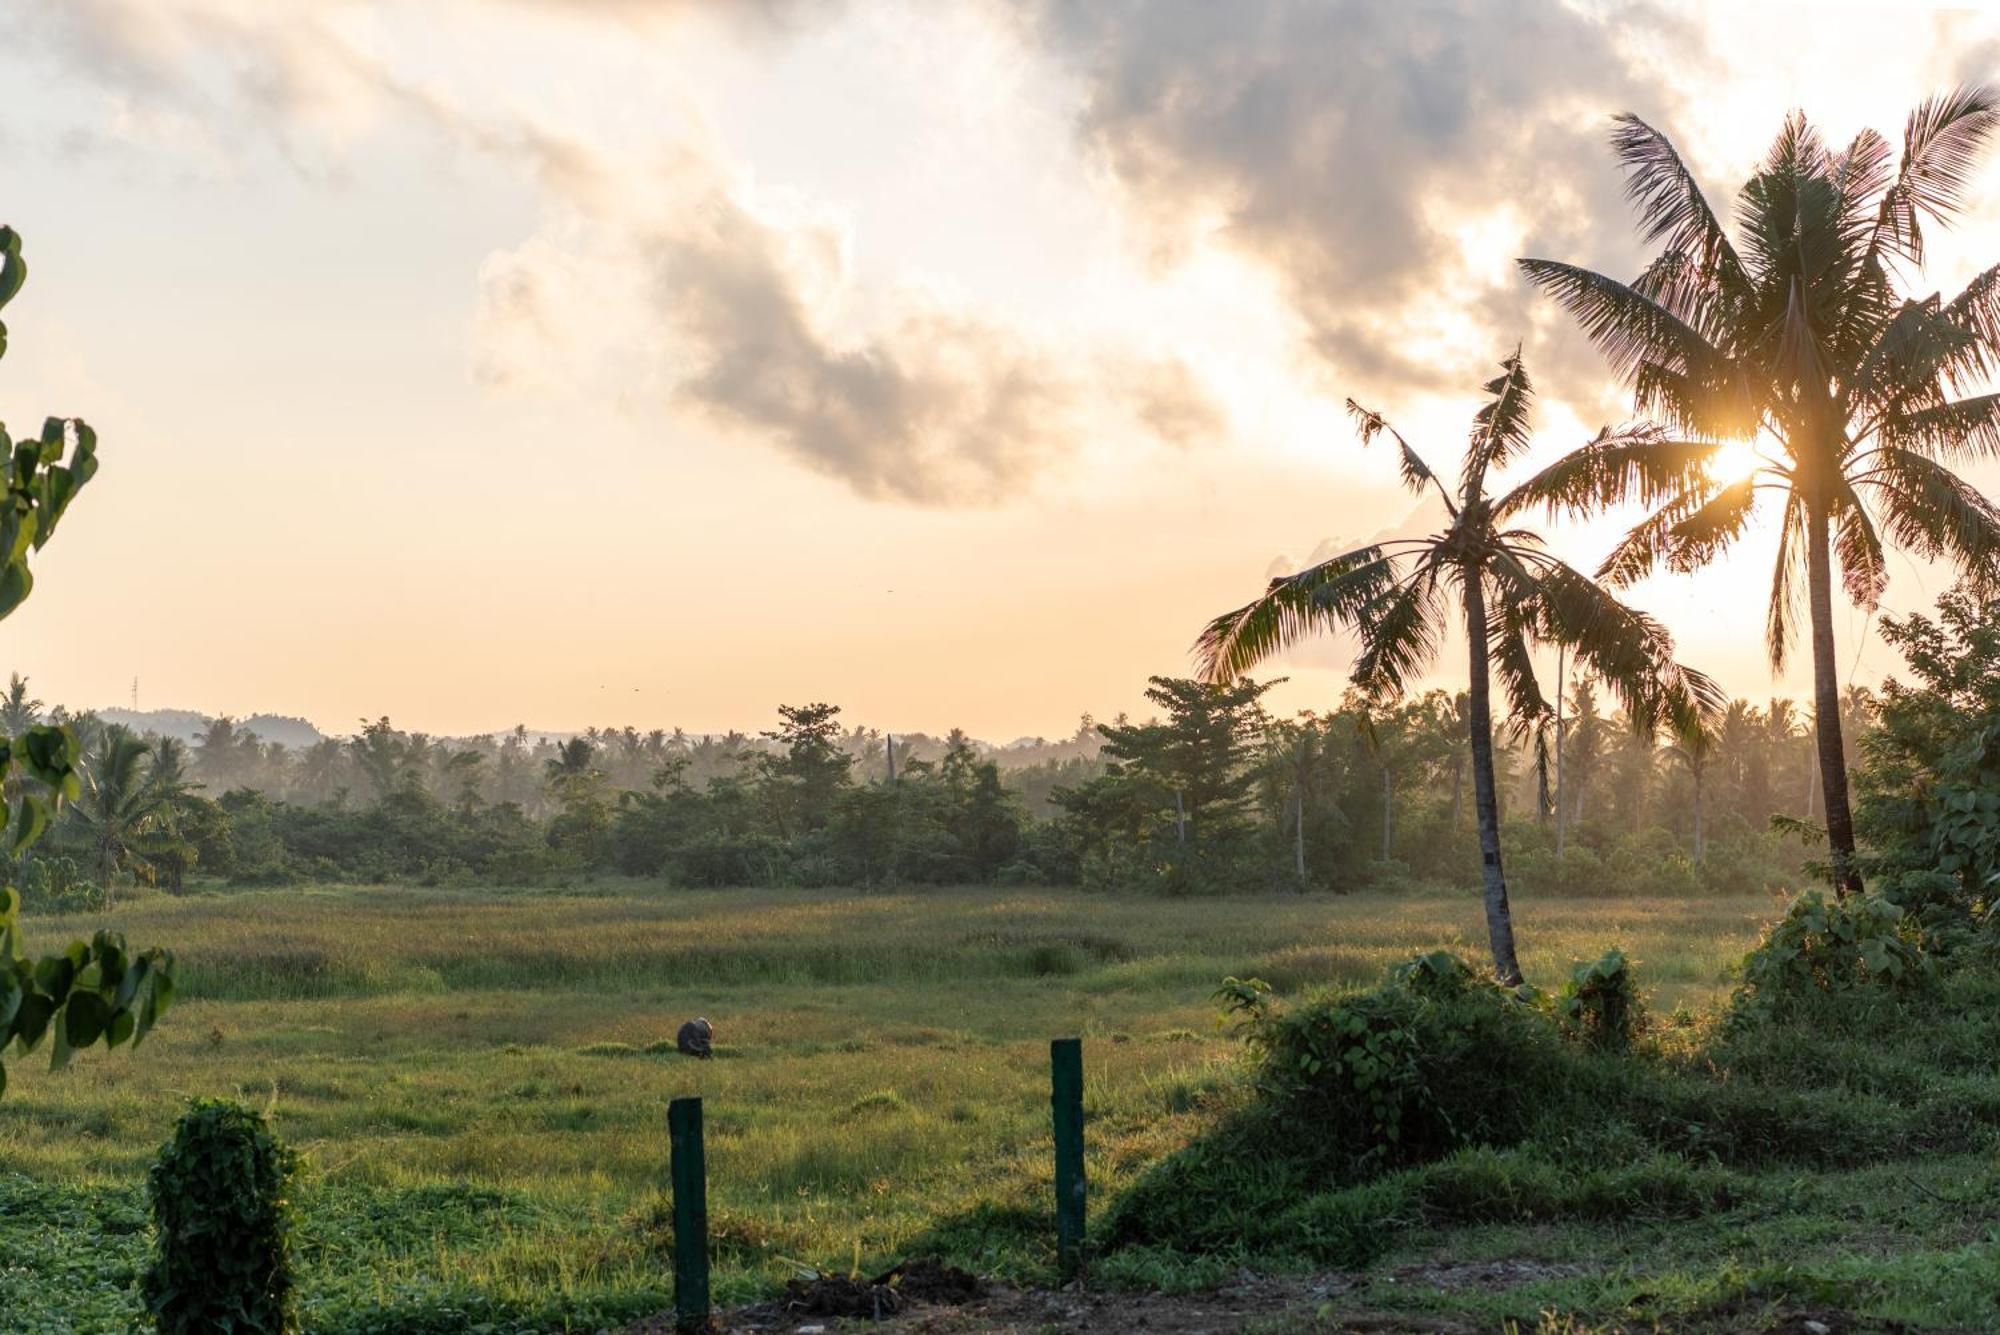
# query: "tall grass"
{"type": "Point", "coordinates": [499, 1063]}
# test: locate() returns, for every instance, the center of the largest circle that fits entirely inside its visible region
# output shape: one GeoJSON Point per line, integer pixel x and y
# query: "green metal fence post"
{"type": "Point", "coordinates": [1066, 1083]}
{"type": "Point", "coordinates": [690, 1215]}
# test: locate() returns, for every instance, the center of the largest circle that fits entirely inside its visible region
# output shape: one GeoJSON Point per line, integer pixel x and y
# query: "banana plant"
{"type": "Point", "coordinates": [92, 991]}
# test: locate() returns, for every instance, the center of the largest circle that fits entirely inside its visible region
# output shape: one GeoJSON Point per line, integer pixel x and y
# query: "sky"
{"type": "Point", "coordinates": [581, 362]}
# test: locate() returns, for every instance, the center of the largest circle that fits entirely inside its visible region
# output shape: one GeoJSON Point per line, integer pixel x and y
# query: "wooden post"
{"type": "Point", "coordinates": [1066, 1082]}
{"type": "Point", "coordinates": [690, 1215]}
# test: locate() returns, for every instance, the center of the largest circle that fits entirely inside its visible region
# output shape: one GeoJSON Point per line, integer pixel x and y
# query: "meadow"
{"type": "Point", "coordinates": [478, 1080]}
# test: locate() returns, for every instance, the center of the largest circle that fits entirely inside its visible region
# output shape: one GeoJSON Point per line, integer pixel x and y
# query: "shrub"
{"type": "Point", "coordinates": [221, 1216]}
{"type": "Point", "coordinates": [58, 885]}
{"type": "Point", "coordinates": [1600, 1002]}
{"type": "Point", "coordinates": [1823, 949]}
{"type": "Point", "coordinates": [1411, 1070]}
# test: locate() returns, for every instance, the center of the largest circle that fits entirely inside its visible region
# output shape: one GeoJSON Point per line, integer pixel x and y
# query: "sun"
{"type": "Point", "coordinates": [1734, 460]}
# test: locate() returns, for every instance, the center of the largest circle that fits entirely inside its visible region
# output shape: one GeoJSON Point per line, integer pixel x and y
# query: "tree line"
{"type": "Point", "coordinates": [1209, 793]}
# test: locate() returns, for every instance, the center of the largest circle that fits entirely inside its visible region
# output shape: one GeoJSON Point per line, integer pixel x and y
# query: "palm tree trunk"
{"type": "Point", "coordinates": [1562, 738]}
{"type": "Point", "coordinates": [1700, 847]}
{"type": "Point", "coordinates": [1485, 794]}
{"type": "Point", "coordinates": [1299, 814]}
{"type": "Point", "coordinates": [1299, 835]}
{"type": "Point", "coordinates": [1457, 789]}
{"type": "Point", "coordinates": [1388, 812]}
{"type": "Point", "coordinates": [1826, 707]}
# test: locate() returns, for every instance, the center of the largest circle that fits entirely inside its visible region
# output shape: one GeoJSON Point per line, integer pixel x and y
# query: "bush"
{"type": "Point", "coordinates": [1822, 949]}
{"type": "Point", "coordinates": [1600, 1002]}
{"type": "Point", "coordinates": [57, 885]}
{"type": "Point", "coordinates": [223, 1233]}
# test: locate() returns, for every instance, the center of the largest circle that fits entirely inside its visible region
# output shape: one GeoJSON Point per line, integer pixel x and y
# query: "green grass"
{"type": "Point", "coordinates": [479, 1081]}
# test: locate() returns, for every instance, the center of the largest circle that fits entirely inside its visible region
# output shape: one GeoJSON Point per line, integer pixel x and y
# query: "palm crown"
{"type": "Point", "coordinates": [1395, 594]}
{"type": "Point", "coordinates": [1800, 336]}
{"type": "Point", "coordinates": [1513, 593]}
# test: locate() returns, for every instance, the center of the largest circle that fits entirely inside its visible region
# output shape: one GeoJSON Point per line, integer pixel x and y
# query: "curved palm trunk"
{"type": "Point", "coordinates": [1485, 794]}
{"type": "Point", "coordinates": [1826, 708]}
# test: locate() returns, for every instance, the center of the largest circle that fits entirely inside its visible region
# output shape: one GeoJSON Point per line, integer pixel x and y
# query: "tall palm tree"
{"type": "Point", "coordinates": [125, 810]}
{"type": "Point", "coordinates": [1511, 594]}
{"type": "Point", "coordinates": [1803, 340]}
{"type": "Point", "coordinates": [1695, 747]}
{"type": "Point", "coordinates": [18, 710]}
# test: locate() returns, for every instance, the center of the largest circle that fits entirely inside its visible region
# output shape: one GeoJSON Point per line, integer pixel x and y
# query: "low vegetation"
{"type": "Point", "coordinates": [476, 1080]}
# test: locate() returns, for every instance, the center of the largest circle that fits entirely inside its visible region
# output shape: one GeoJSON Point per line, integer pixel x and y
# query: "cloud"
{"type": "Point", "coordinates": [1359, 149]}
{"type": "Point", "coordinates": [748, 316]}
{"type": "Point", "coordinates": [659, 281]}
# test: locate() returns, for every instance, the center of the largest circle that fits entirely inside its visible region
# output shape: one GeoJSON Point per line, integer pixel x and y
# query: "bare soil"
{"type": "Point", "coordinates": [927, 1297]}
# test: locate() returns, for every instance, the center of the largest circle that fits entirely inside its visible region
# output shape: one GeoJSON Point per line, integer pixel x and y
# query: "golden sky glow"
{"type": "Point", "coordinates": [616, 361]}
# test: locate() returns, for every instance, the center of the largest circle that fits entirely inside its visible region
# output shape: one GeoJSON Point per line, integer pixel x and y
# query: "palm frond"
{"type": "Point", "coordinates": [1651, 348]}
{"type": "Point", "coordinates": [1672, 207]}
{"type": "Point", "coordinates": [1500, 427]}
{"type": "Point", "coordinates": [1629, 650]}
{"type": "Point", "coordinates": [1400, 634]}
{"type": "Point", "coordinates": [1416, 473]}
{"type": "Point", "coordinates": [1684, 533]}
{"type": "Point", "coordinates": [1937, 514]}
{"type": "Point", "coordinates": [1959, 429]}
{"type": "Point", "coordinates": [1781, 618]}
{"type": "Point", "coordinates": [1323, 597]}
{"type": "Point", "coordinates": [1942, 143]}
{"type": "Point", "coordinates": [1863, 566]}
{"type": "Point", "coordinates": [1509, 652]}
{"type": "Point", "coordinates": [1632, 463]}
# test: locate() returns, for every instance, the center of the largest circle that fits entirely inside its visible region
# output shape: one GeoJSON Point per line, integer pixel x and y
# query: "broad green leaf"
{"type": "Point", "coordinates": [85, 1019]}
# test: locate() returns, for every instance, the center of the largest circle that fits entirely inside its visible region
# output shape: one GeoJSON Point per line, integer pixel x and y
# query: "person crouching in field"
{"type": "Point", "coordinates": [697, 1038]}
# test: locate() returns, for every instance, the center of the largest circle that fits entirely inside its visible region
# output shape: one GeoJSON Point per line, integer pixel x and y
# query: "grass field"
{"type": "Point", "coordinates": [479, 1080]}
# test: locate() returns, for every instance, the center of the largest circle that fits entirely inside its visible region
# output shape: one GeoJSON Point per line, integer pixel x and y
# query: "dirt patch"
{"type": "Point", "coordinates": [935, 1300]}
{"type": "Point", "coordinates": [922, 1280]}
{"type": "Point", "coordinates": [1488, 1275]}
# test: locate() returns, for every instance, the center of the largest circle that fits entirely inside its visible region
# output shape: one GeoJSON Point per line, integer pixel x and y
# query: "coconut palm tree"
{"type": "Point", "coordinates": [18, 710]}
{"type": "Point", "coordinates": [1801, 338]}
{"type": "Point", "coordinates": [126, 808]}
{"type": "Point", "coordinates": [1510, 594]}
{"type": "Point", "coordinates": [1695, 747]}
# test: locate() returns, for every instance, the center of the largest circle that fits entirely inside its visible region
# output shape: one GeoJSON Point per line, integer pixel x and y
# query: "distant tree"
{"type": "Point", "coordinates": [800, 780]}
{"type": "Point", "coordinates": [125, 812]}
{"type": "Point", "coordinates": [1803, 338]}
{"type": "Point", "coordinates": [383, 755]}
{"type": "Point", "coordinates": [583, 800]}
{"type": "Point", "coordinates": [1511, 595]}
{"type": "Point", "coordinates": [18, 711]}
{"type": "Point", "coordinates": [1695, 747]}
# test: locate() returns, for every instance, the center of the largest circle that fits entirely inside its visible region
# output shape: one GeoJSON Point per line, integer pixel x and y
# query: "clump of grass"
{"type": "Point", "coordinates": [876, 1103]}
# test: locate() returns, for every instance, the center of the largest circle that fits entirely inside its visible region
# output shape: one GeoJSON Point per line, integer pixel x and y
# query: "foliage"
{"type": "Point", "coordinates": [1498, 581]}
{"type": "Point", "coordinates": [97, 989]}
{"type": "Point", "coordinates": [222, 1225]}
{"type": "Point", "coordinates": [1798, 333]}
{"type": "Point", "coordinates": [1173, 809]}
{"type": "Point", "coordinates": [1928, 786]}
{"type": "Point", "coordinates": [1600, 1003]}
{"type": "Point", "coordinates": [56, 885]}
{"type": "Point", "coordinates": [1405, 1072]}
{"type": "Point", "coordinates": [1822, 949]}
{"type": "Point", "coordinates": [93, 991]}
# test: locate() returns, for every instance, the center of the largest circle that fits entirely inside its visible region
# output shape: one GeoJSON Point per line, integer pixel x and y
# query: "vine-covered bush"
{"type": "Point", "coordinates": [1600, 1003]}
{"type": "Point", "coordinates": [1407, 1072]}
{"type": "Point", "coordinates": [1825, 948]}
{"type": "Point", "coordinates": [57, 885]}
{"type": "Point", "coordinates": [218, 1193]}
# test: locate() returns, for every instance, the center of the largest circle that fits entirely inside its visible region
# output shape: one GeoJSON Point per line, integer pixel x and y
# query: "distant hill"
{"type": "Point", "coordinates": [185, 724]}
